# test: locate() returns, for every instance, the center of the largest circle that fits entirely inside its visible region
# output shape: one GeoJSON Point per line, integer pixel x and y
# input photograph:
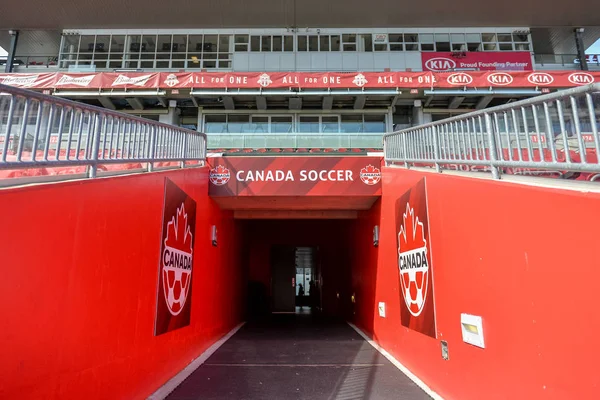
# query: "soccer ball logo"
{"type": "Point", "coordinates": [370, 175]}
{"type": "Point", "coordinates": [219, 175]}
{"type": "Point", "coordinates": [360, 80]}
{"type": "Point", "coordinates": [177, 262]}
{"type": "Point", "coordinates": [412, 262]}
{"type": "Point", "coordinates": [264, 80]}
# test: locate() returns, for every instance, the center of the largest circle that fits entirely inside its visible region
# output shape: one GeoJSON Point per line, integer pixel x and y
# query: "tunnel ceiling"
{"type": "Point", "coordinates": [54, 14]}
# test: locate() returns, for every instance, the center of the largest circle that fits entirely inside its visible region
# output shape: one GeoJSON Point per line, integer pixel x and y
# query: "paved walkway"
{"type": "Point", "coordinates": [297, 357]}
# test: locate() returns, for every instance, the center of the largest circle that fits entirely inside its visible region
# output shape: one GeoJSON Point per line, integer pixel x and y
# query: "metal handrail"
{"type": "Point", "coordinates": [554, 132]}
{"type": "Point", "coordinates": [44, 131]}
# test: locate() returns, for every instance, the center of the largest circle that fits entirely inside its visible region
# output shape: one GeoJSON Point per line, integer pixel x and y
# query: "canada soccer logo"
{"type": "Point", "coordinates": [413, 262]}
{"type": "Point", "coordinates": [370, 175]}
{"type": "Point", "coordinates": [177, 261]}
{"type": "Point", "coordinates": [219, 175]}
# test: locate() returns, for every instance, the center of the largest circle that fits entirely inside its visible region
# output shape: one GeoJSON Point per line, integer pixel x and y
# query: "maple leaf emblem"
{"type": "Point", "coordinates": [179, 235]}
{"type": "Point", "coordinates": [411, 235]}
{"type": "Point", "coordinates": [370, 175]}
{"type": "Point", "coordinates": [219, 175]}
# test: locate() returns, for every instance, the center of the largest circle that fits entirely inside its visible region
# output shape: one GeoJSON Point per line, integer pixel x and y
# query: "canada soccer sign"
{"type": "Point", "coordinates": [176, 260]}
{"type": "Point", "coordinates": [414, 261]}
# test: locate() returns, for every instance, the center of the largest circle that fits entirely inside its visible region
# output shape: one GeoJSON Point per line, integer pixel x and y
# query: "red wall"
{"type": "Point", "coordinates": [331, 236]}
{"type": "Point", "coordinates": [78, 290]}
{"type": "Point", "coordinates": [525, 258]}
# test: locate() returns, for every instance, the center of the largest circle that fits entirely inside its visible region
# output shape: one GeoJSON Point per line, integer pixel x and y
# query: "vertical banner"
{"type": "Point", "coordinates": [414, 261]}
{"type": "Point", "coordinates": [174, 292]}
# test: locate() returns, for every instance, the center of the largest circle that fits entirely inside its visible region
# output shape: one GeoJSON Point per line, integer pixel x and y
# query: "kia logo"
{"type": "Point", "coordinates": [581, 78]}
{"type": "Point", "coordinates": [440, 64]}
{"type": "Point", "coordinates": [460, 79]}
{"type": "Point", "coordinates": [540, 78]}
{"type": "Point", "coordinates": [500, 78]}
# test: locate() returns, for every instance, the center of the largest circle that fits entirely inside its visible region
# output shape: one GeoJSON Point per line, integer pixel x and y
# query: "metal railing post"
{"type": "Point", "coordinates": [405, 151]}
{"type": "Point", "coordinates": [151, 155]}
{"type": "Point", "coordinates": [436, 149]}
{"type": "Point", "coordinates": [93, 168]}
{"type": "Point", "coordinates": [493, 151]}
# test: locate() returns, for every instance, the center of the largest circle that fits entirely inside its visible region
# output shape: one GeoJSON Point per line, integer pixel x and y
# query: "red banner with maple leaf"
{"type": "Point", "coordinates": [174, 293]}
{"type": "Point", "coordinates": [414, 261]}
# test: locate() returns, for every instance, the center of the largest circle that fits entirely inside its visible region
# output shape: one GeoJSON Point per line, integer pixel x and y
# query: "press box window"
{"type": "Point", "coordinates": [349, 42]}
{"type": "Point", "coordinates": [411, 41]}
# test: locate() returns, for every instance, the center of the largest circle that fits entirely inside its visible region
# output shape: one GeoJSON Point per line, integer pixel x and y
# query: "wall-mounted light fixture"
{"type": "Point", "coordinates": [376, 236]}
{"type": "Point", "coordinates": [213, 235]}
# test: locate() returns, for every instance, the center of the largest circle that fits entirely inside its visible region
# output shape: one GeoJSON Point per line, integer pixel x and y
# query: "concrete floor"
{"type": "Point", "coordinates": [297, 357]}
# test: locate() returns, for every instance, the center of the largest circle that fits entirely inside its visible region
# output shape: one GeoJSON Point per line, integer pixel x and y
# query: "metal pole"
{"type": "Point", "coordinates": [493, 153]}
{"type": "Point", "coordinates": [580, 49]}
{"type": "Point", "coordinates": [12, 49]}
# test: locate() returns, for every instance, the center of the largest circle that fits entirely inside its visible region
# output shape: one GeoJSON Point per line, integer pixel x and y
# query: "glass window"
{"type": "Point", "coordinates": [179, 45]}
{"type": "Point", "coordinates": [504, 37]}
{"type": "Point", "coordinates": [215, 124]}
{"type": "Point", "coordinates": [313, 43]}
{"type": "Point", "coordinates": [366, 42]}
{"type": "Point", "coordinates": [335, 43]}
{"type": "Point", "coordinates": [241, 42]}
{"type": "Point", "coordinates": [442, 42]}
{"type": "Point", "coordinates": [374, 123]}
{"type": "Point", "coordinates": [210, 43]}
{"type": "Point", "coordinates": [281, 124]}
{"type": "Point", "coordinates": [260, 124]}
{"type": "Point", "coordinates": [522, 47]}
{"type": "Point", "coordinates": [396, 38]}
{"type": "Point", "coordinates": [349, 42]}
{"type": "Point", "coordinates": [277, 43]}
{"type": "Point", "coordinates": [396, 47]}
{"type": "Point", "coordinates": [288, 43]}
{"type": "Point", "coordinates": [488, 37]}
{"type": "Point", "coordinates": [87, 44]}
{"type": "Point", "coordinates": [195, 45]}
{"type": "Point", "coordinates": [489, 46]}
{"type": "Point", "coordinates": [473, 37]}
{"type": "Point", "coordinates": [224, 43]}
{"type": "Point", "coordinates": [308, 124]}
{"type": "Point", "coordinates": [411, 37]}
{"type": "Point", "coordinates": [520, 37]}
{"type": "Point", "coordinates": [302, 43]}
{"type": "Point", "coordinates": [324, 43]}
{"type": "Point", "coordinates": [254, 43]}
{"type": "Point", "coordinates": [352, 123]}
{"type": "Point", "coordinates": [266, 43]}
{"type": "Point", "coordinates": [238, 123]}
{"type": "Point", "coordinates": [164, 43]}
{"type": "Point", "coordinates": [506, 46]}
{"type": "Point", "coordinates": [70, 43]}
{"type": "Point", "coordinates": [427, 47]}
{"type": "Point", "coordinates": [117, 44]}
{"type": "Point", "coordinates": [457, 38]}
{"type": "Point", "coordinates": [101, 47]}
{"type": "Point", "coordinates": [330, 124]}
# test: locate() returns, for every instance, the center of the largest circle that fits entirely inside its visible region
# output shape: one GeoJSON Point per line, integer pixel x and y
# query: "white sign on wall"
{"type": "Point", "coordinates": [380, 38]}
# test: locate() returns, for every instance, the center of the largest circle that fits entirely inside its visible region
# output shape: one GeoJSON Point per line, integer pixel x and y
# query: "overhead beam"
{"type": "Point", "coordinates": [261, 102]}
{"type": "Point", "coordinates": [483, 102]}
{"type": "Point", "coordinates": [162, 101]}
{"type": "Point", "coordinates": [327, 102]}
{"type": "Point", "coordinates": [295, 214]}
{"type": "Point", "coordinates": [195, 101]}
{"type": "Point", "coordinates": [295, 103]}
{"type": "Point", "coordinates": [135, 103]}
{"type": "Point", "coordinates": [359, 102]}
{"type": "Point", "coordinates": [428, 101]}
{"type": "Point", "coordinates": [107, 103]}
{"type": "Point", "coordinates": [228, 103]}
{"type": "Point", "coordinates": [456, 102]}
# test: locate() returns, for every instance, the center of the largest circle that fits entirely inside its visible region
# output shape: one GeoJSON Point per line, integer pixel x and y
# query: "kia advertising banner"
{"type": "Point", "coordinates": [174, 294]}
{"type": "Point", "coordinates": [414, 261]}
{"type": "Point", "coordinates": [496, 76]}
{"type": "Point", "coordinates": [295, 176]}
{"type": "Point", "coordinates": [477, 60]}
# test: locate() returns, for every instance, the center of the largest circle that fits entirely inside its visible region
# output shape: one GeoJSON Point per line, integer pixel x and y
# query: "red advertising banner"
{"type": "Point", "coordinates": [414, 261]}
{"type": "Point", "coordinates": [174, 292]}
{"type": "Point", "coordinates": [295, 176]}
{"type": "Point", "coordinates": [299, 81]}
{"type": "Point", "coordinates": [478, 60]}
